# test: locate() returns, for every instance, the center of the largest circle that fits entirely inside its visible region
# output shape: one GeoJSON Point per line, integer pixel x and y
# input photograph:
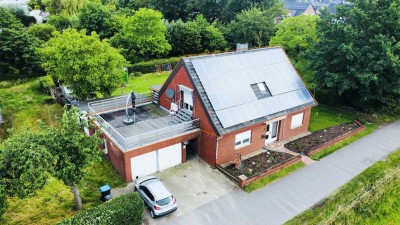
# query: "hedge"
{"type": "Point", "coordinates": [150, 66]}
{"type": "Point", "coordinates": [126, 209]}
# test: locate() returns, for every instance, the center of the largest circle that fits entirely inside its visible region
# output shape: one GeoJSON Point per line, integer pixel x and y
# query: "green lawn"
{"type": "Point", "coordinates": [22, 106]}
{"type": "Point", "coordinates": [141, 84]}
{"type": "Point", "coordinates": [323, 116]}
{"type": "Point", "coordinates": [273, 177]}
{"type": "Point", "coordinates": [372, 197]}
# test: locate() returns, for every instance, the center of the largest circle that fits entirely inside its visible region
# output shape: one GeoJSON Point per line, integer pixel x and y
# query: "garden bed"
{"type": "Point", "coordinates": [259, 166]}
{"type": "Point", "coordinates": [321, 139]}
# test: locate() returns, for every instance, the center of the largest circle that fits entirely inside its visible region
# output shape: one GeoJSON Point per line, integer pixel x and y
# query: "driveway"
{"type": "Point", "coordinates": [193, 184]}
{"type": "Point", "coordinates": [286, 198]}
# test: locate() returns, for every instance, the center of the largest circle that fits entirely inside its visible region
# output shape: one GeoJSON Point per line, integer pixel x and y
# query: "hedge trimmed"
{"type": "Point", "coordinates": [150, 66]}
{"type": "Point", "coordinates": [126, 209]}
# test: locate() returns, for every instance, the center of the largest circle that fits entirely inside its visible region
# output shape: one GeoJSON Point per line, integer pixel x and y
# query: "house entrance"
{"type": "Point", "coordinates": [271, 133]}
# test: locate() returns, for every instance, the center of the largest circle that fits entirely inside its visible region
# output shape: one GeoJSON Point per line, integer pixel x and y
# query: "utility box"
{"type": "Point", "coordinates": [105, 192]}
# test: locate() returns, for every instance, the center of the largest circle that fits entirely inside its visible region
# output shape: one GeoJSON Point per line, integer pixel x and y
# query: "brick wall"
{"type": "Point", "coordinates": [226, 144]}
{"type": "Point", "coordinates": [286, 132]}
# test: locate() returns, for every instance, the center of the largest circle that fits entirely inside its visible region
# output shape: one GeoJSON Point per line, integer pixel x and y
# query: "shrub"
{"type": "Point", "coordinates": [45, 83]}
{"type": "Point", "coordinates": [126, 209]}
{"type": "Point", "coordinates": [150, 66]}
{"type": "Point", "coordinates": [5, 84]}
{"type": "Point", "coordinates": [137, 74]}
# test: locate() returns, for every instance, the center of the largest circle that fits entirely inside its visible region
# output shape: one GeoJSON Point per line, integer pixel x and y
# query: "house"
{"type": "Point", "coordinates": [217, 105]}
{"type": "Point", "coordinates": [297, 8]}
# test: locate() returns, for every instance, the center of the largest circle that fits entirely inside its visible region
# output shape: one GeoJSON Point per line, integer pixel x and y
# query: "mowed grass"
{"type": "Point", "coordinates": [142, 84]}
{"type": "Point", "coordinates": [323, 116]}
{"type": "Point", "coordinates": [273, 177]}
{"type": "Point", "coordinates": [372, 197]}
{"type": "Point", "coordinates": [23, 106]}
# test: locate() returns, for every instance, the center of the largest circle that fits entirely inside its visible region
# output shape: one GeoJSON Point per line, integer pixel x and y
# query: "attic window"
{"type": "Point", "coordinates": [261, 90]}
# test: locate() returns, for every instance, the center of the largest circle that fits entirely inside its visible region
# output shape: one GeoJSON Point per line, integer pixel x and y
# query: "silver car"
{"type": "Point", "coordinates": [155, 195]}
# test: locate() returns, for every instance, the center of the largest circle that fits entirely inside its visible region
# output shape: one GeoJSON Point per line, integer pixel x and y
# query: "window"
{"type": "Point", "coordinates": [297, 120]}
{"type": "Point", "coordinates": [261, 90]}
{"type": "Point", "coordinates": [242, 139]}
{"type": "Point", "coordinates": [147, 192]}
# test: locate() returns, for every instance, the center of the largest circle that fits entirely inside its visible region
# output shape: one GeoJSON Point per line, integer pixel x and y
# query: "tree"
{"type": "Point", "coordinates": [142, 36]}
{"type": "Point", "coordinates": [7, 20]}
{"type": "Point", "coordinates": [25, 163]}
{"type": "Point", "coordinates": [296, 34]}
{"type": "Point", "coordinates": [3, 202]}
{"type": "Point", "coordinates": [60, 21]}
{"type": "Point", "coordinates": [96, 17]}
{"type": "Point", "coordinates": [74, 151]}
{"type": "Point", "coordinates": [210, 9]}
{"type": "Point", "coordinates": [254, 26]}
{"type": "Point", "coordinates": [36, 4]}
{"type": "Point", "coordinates": [18, 57]}
{"type": "Point", "coordinates": [42, 31]}
{"type": "Point", "coordinates": [70, 7]}
{"type": "Point", "coordinates": [172, 9]}
{"type": "Point", "coordinates": [194, 37]}
{"type": "Point", "coordinates": [84, 63]}
{"type": "Point", "coordinates": [184, 38]}
{"type": "Point", "coordinates": [358, 56]}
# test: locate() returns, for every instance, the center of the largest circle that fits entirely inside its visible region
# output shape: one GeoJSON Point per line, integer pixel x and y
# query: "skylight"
{"type": "Point", "coordinates": [261, 90]}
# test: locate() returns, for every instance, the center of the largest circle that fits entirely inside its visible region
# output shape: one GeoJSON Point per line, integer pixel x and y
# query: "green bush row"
{"type": "Point", "coordinates": [126, 209]}
{"type": "Point", "coordinates": [150, 66]}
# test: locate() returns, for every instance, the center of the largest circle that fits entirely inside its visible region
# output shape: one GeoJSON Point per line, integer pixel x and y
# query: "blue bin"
{"type": "Point", "coordinates": [105, 192]}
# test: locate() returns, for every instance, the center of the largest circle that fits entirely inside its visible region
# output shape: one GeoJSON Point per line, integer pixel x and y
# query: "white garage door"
{"type": "Point", "coordinates": [169, 156]}
{"type": "Point", "coordinates": [144, 164]}
{"type": "Point", "coordinates": [159, 160]}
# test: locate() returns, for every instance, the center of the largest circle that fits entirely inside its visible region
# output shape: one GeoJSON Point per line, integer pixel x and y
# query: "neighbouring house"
{"type": "Point", "coordinates": [297, 8]}
{"type": "Point", "coordinates": [215, 105]}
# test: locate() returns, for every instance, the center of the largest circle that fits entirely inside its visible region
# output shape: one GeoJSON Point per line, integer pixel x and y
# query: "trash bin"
{"type": "Point", "coordinates": [105, 193]}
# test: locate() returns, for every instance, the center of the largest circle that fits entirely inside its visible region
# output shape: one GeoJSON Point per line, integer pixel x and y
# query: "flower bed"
{"type": "Point", "coordinates": [321, 139]}
{"type": "Point", "coordinates": [260, 166]}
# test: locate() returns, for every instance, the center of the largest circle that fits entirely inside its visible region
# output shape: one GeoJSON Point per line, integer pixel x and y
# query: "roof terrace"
{"type": "Point", "coordinates": [152, 124]}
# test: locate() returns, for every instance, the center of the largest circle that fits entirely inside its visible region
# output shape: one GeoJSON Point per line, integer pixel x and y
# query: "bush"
{"type": "Point", "coordinates": [137, 74]}
{"type": "Point", "coordinates": [45, 83]}
{"type": "Point", "coordinates": [150, 66]}
{"type": "Point", "coordinates": [5, 84]}
{"type": "Point", "coordinates": [126, 209]}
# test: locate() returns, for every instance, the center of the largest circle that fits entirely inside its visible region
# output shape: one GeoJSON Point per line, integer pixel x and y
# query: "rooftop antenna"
{"type": "Point", "coordinates": [128, 119]}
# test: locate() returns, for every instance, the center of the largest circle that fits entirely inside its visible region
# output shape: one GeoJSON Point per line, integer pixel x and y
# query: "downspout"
{"type": "Point", "coordinates": [216, 151]}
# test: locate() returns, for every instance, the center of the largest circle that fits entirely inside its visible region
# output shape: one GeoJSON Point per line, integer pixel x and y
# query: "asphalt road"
{"type": "Point", "coordinates": [286, 198]}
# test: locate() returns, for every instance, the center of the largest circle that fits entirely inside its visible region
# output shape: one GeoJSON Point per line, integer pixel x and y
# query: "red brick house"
{"type": "Point", "coordinates": [234, 102]}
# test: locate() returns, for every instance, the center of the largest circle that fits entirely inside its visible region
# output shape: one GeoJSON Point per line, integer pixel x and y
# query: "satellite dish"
{"type": "Point", "coordinates": [170, 93]}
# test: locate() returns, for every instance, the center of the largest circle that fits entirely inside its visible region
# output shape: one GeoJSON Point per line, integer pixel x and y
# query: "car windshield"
{"type": "Point", "coordinates": [164, 201]}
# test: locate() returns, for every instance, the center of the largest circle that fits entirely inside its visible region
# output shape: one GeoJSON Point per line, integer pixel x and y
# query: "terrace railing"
{"type": "Point", "coordinates": [130, 143]}
{"type": "Point", "coordinates": [161, 134]}
{"type": "Point", "coordinates": [118, 103]}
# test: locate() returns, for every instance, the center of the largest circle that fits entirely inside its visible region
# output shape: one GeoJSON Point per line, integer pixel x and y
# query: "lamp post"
{"type": "Point", "coordinates": [127, 74]}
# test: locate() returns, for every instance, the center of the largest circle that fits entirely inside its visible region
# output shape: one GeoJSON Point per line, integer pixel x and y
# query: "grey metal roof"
{"type": "Point", "coordinates": [223, 82]}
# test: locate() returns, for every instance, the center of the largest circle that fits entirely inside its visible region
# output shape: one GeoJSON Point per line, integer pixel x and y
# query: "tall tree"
{"type": "Point", "coordinates": [172, 9]}
{"type": "Point", "coordinates": [255, 25]}
{"type": "Point", "coordinates": [42, 31]}
{"type": "Point", "coordinates": [96, 17]}
{"type": "Point", "coordinates": [84, 63]}
{"type": "Point", "coordinates": [60, 21]}
{"type": "Point", "coordinates": [3, 202]}
{"type": "Point", "coordinates": [296, 34]}
{"type": "Point", "coordinates": [18, 57]}
{"type": "Point", "coordinates": [74, 151]}
{"type": "Point", "coordinates": [358, 56]}
{"type": "Point", "coordinates": [210, 9]}
{"type": "Point", "coordinates": [142, 36]}
{"type": "Point", "coordinates": [194, 37]}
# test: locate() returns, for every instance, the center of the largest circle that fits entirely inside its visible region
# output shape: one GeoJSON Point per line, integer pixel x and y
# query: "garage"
{"type": "Point", "coordinates": [156, 160]}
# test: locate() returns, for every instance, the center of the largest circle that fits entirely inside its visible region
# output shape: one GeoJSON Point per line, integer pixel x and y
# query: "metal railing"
{"type": "Point", "coordinates": [161, 134]}
{"type": "Point", "coordinates": [118, 103]}
{"type": "Point", "coordinates": [129, 143]}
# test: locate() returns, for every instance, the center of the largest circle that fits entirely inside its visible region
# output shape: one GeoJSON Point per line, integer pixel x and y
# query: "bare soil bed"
{"type": "Point", "coordinates": [312, 141]}
{"type": "Point", "coordinates": [258, 164]}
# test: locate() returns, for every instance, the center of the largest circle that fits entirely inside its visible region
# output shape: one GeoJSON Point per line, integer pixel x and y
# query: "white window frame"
{"type": "Point", "coordinates": [242, 139]}
{"type": "Point", "coordinates": [297, 120]}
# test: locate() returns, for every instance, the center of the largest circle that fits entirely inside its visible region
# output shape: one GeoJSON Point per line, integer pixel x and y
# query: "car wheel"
{"type": "Point", "coordinates": [152, 214]}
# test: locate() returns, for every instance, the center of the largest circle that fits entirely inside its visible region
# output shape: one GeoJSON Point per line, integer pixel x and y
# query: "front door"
{"type": "Point", "coordinates": [271, 133]}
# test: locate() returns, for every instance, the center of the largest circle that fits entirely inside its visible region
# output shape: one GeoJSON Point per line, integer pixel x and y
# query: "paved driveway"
{"type": "Point", "coordinates": [286, 198]}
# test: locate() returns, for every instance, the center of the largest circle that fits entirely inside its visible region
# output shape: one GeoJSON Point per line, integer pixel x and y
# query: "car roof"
{"type": "Point", "coordinates": [158, 189]}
